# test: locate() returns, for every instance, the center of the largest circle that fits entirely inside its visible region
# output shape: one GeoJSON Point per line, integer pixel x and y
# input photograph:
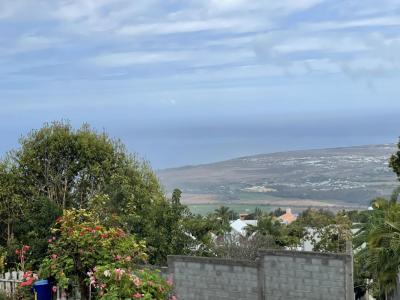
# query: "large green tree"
{"type": "Point", "coordinates": [58, 167]}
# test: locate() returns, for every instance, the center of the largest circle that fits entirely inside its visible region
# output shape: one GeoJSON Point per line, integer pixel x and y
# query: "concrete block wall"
{"type": "Point", "coordinates": [198, 278]}
{"type": "Point", "coordinates": [276, 275]}
{"type": "Point", "coordinates": [306, 275]}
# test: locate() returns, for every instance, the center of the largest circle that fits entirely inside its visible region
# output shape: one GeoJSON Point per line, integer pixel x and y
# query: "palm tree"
{"type": "Point", "coordinates": [224, 213]}
{"type": "Point", "coordinates": [378, 244]}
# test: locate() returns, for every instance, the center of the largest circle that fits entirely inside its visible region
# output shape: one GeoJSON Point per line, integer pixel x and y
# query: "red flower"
{"type": "Point", "coordinates": [28, 282]}
{"type": "Point", "coordinates": [25, 248]}
{"type": "Point", "coordinates": [137, 296]}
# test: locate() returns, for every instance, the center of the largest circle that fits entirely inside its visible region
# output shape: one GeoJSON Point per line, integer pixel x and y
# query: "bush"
{"type": "Point", "coordinates": [115, 283]}
{"type": "Point", "coordinates": [4, 296]}
{"type": "Point", "coordinates": [81, 246]}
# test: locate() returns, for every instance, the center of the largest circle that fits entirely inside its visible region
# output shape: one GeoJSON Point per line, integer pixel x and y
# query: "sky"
{"type": "Point", "coordinates": [186, 82]}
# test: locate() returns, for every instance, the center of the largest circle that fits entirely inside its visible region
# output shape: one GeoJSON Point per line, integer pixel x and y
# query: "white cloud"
{"type": "Point", "coordinates": [189, 59]}
{"type": "Point", "coordinates": [338, 25]}
{"type": "Point", "coordinates": [138, 58]}
{"type": "Point", "coordinates": [237, 25]}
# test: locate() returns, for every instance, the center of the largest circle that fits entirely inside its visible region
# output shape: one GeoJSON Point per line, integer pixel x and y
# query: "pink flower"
{"type": "Point", "coordinates": [54, 256]}
{"type": "Point", "coordinates": [118, 257]}
{"type": "Point", "coordinates": [50, 241]}
{"type": "Point", "coordinates": [170, 282]}
{"type": "Point", "coordinates": [54, 289]}
{"type": "Point", "coordinates": [173, 298]}
{"type": "Point", "coordinates": [119, 273]}
{"type": "Point", "coordinates": [128, 258]}
{"type": "Point", "coordinates": [28, 282]}
{"type": "Point", "coordinates": [137, 281]}
{"type": "Point", "coordinates": [137, 296]}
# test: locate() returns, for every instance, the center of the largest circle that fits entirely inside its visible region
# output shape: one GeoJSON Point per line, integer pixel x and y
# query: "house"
{"type": "Point", "coordinates": [238, 227]}
{"type": "Point", "coordinates": [288, 217]}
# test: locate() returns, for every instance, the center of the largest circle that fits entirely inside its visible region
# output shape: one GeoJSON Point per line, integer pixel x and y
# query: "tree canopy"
{"type": "Point", "coordinates": [58, 167]}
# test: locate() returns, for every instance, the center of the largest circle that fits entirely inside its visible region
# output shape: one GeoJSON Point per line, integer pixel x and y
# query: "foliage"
{"type": "Point", "coordinates": [65, 165]}
{"type": "Point", "coordinates": [377, 245]}
{"type": "Point", "coordinates": [3, 254]}
{"type": "Point", "coordinates": [118, 283]}
{"type": "Point", "coordinates": [332, 237]}
{"type": "Point", "coordinates": [12, 203]}
{"type": "Point", "coordinates": [80, 243]}
{"type": "Point", "coordinates": [58, 167]}
{"type": "Point", "coordinates": [4, 296]}
{"type": "Point", "coordinates": [316, 218]}
{"type": "Point", "coordinates": [223, 215]}
{"type": "Point", "coordinates": [244, 247]}
{"type": "Point", "coordinates": [24, 289]}
{"type": "Point", "coordinates": [395, 161]}
{"type": "Point", "coordinates": [269, 226]}
{"type": "Point", "coordinates": [277, 212]}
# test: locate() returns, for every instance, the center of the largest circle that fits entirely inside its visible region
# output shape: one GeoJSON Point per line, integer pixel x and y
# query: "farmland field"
{"type": "Point", "coordinates": [204, 209]}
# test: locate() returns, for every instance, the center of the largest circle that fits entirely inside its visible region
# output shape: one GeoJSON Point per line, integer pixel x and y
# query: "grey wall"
{"type": "Point", "coordinates": [277, 274]}
{"type": "Point", "coordinates": [197, 278]}
{"type": "Point", "coordinates": [306, 275]}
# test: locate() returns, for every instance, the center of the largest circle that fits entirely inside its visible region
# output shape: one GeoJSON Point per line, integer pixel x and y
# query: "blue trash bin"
{"type": "Point", "coordinates": [42, 290]}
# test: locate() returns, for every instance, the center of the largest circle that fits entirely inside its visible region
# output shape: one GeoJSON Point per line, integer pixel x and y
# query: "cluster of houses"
{"type": "Point", "coordinates": [238, 227]}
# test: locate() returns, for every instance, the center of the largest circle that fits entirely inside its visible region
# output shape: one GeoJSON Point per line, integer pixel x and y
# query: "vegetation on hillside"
{"type": "Point", "coordinates": [78, 209]}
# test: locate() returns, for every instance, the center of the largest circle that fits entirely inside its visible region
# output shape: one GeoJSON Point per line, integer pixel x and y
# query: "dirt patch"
{"type": "Point", "coordinates": [199, 199]}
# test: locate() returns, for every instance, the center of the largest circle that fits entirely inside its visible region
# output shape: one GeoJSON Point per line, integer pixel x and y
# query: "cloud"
{"type": "Point", "coordinates": [340, 25]}
{"type": "Point", "coordinates": [189, 59]}
{"type": "Point", "coordinates": [137, 58]}
{"type": "Point", "coordinates": [205, 39]}
{"type": "Point", "coordinates": [237, 25]}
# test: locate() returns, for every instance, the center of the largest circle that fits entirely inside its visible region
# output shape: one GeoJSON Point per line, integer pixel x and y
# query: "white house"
{"type": "Point", "coordinates": [238, 227]}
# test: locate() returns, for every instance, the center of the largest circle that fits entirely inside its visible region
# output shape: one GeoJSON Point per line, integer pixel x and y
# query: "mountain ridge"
{"type": "Point", "coordinates": [339, 175]}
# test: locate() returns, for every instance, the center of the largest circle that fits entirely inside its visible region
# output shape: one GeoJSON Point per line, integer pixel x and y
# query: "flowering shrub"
{"type": "Point", "coordinates": [81, 245]}
{"type": "Point", "coordinates": [116, 283]}
{"type": "Point", "coordinates": [22, 254]}
{"type": "Point", "coordinates": [28, 279]}
{"type": "Point", "coordinates": [24, 289]}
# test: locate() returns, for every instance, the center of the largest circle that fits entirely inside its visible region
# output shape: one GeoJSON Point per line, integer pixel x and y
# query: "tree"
{"type": "Point", "coordinates": [394, 162]}
{"type": "Point", "coordinates": [69, 166]}
{"type": "Point", "coordinates": [377, 245]}
{"type": "Point", "coordinates": [12, 204]}
{"type": "Point", "coordinates": [333, 237]}
{"type": "Point", "coordinates": [244, 248]}
{"type": "Point", "coordinates": [176, 196]}
{"type": "Point", "coordinates": [58, 167]}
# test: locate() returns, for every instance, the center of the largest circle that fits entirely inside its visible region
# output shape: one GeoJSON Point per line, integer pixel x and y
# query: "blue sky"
{"type": "Point", "coordinates": [187, 82]}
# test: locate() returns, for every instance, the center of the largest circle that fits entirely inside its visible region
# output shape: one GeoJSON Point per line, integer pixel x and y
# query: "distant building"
{"type": "Point", "coordinates": [238, 227]}
{"type": "Point", "coordinates": [243, 216]}
{"type": "Point", "coordinates": [288, 217]}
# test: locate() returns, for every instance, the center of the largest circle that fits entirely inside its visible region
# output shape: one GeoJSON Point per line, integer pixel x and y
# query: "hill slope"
{"type": "Point", "coordinates": [337, 176]}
